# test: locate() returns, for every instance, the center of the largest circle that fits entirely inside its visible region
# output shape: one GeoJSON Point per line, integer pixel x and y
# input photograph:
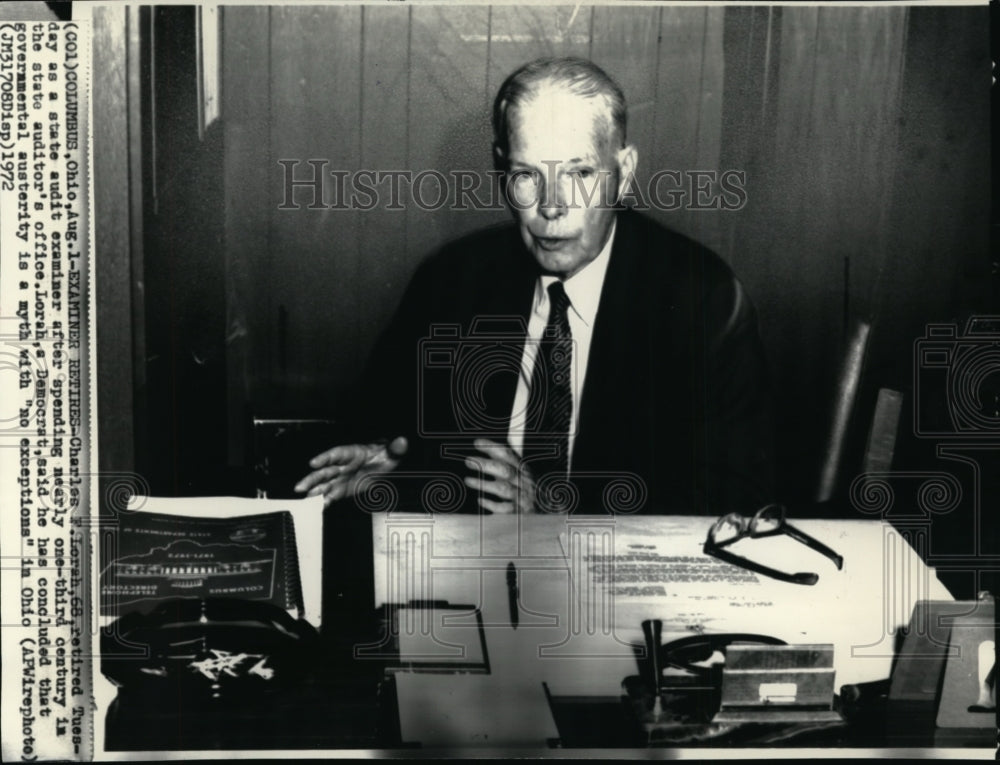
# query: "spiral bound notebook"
{"type": "Point", "coordinates": [157, 556]}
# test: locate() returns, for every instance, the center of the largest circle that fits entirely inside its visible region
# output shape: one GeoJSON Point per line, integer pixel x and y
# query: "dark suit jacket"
{"type": "Point", "coordinates": [675, 410]}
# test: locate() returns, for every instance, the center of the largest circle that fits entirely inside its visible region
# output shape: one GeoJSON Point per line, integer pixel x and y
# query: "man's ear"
{"type": "Point", "coordinates": [628, 160]}
{"type": "Point", "coordinates": [499, 159]}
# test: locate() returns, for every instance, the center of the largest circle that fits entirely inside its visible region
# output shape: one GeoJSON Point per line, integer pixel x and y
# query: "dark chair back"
{"type": "Point", "coordinates": [844, 407]}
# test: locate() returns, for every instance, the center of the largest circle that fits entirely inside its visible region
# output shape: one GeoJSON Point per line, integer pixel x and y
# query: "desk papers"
{"type": "Point", "coordinates": [582, 626]}
{"type": "Point", "coordinates": [473, 711]}
{"type": "Point", "coordinates": [660, 572]}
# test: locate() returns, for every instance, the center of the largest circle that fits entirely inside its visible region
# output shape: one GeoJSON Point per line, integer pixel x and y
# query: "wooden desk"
{"type": "Point", "coordinates": [581, 643]}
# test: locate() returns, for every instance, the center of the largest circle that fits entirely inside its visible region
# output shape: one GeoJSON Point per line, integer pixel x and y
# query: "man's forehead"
{"type": "Point", "coordinates": [556, 120]}
{"type": "Point", "coordinates": [550, 100]}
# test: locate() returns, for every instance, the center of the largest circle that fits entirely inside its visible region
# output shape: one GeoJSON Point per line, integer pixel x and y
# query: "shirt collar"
{"type": "Point", "coordinates": [584, 287]}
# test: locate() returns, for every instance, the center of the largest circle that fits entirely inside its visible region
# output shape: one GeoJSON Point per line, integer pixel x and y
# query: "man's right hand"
{"type": "Point", "coordinates": [338, 471]}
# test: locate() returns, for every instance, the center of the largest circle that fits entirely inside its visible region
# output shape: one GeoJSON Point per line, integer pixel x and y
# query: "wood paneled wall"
{"type": "Point", "coordinates": [811, 110]}
{"type": "Point", "coordinates": [812, 103]}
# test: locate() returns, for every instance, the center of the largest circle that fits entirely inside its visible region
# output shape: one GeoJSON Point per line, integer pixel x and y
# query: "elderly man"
{"type": "Point", "coordinates": [583, 359]}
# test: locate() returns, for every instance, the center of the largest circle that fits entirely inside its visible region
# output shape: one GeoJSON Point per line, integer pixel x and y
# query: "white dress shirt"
{"type": "Point", "coordinates": [584, 292]}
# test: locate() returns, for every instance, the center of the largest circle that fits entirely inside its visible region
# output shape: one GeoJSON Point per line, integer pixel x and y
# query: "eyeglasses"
{"type": "Point", "coordinates": [769, 521]}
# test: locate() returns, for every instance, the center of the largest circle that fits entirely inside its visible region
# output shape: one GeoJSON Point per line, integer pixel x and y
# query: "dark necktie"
{"type": "Point", "coordinates": [551, 395]}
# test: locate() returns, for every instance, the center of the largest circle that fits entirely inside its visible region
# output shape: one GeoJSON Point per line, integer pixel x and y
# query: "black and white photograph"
{"type": "Point", "coordinates": [471, 379]}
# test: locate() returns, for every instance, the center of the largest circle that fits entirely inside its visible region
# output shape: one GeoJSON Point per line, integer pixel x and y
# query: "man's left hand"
{"type": "Point", "coordinates": [503, 480]}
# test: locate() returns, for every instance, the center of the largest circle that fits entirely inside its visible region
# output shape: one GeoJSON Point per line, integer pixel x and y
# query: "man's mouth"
{"type": "Point", "coordinates": [552, 243]}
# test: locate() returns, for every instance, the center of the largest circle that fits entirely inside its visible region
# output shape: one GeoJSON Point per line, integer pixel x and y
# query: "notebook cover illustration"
{"type": "Point", "coordinates": [156, 557]}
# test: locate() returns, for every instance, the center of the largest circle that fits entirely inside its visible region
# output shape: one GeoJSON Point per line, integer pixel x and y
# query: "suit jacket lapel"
{"type": "Point", "coordinates": [504, 316]}
{"type": "Point", "coordinates": [610, 350]}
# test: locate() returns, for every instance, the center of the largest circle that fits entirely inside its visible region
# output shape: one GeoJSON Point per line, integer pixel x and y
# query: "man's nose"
{"type": "Point", "coordinates": [552, 202]}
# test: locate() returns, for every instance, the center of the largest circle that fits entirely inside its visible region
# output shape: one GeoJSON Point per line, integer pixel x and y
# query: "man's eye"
{"type": "Point", "coordinates": [522, 177]}
{"type": "Point", "coordinates": [583, 172]}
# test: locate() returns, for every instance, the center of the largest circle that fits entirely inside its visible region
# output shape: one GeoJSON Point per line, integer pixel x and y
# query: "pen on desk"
{"type": "Point", "coordinates": [512, 594]}
{"type": "Point", "coordinates": [652, 630]}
